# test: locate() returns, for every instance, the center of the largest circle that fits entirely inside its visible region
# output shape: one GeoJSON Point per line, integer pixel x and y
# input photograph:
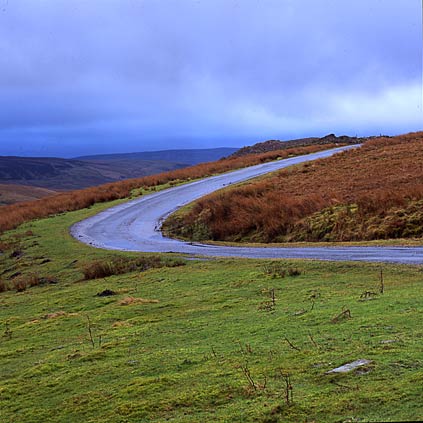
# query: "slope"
{"type": "Point", "coordinates": [272, 145]}
{"type": "Point", "coordinates": [68, 174]}
{"type": "Point", "coordinates": [375, 192]}
{"type": "Point", "coordinates": [11, 194]}
{"type": "Point", "coordinates": [185, 156]}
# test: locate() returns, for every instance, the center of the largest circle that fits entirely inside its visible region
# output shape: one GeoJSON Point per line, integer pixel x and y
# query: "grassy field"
{"type": "Point", "coordinates": [195, 340]}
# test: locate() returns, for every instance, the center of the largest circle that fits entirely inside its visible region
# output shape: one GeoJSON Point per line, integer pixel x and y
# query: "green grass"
{"type": "Point", "coordinates": [179, 358]}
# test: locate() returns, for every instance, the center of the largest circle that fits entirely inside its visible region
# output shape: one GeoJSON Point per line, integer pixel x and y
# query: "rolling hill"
{"type": "Point", "coordinates": [273, 145]}
{"type": "Point", "coordinates": [186, 157]}
{"type": "Point", "coordinates": [11, 194]}
{"type": "Point", "coordinates": [374, 192]}
{"type": "Point", "coordinates": [69, 174]}
{"type": "Point", "coordinates": [82, 172]}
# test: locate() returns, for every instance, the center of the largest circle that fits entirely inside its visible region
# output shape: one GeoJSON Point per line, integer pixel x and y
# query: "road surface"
{"type": "Point", "coordinates": [135, 226]}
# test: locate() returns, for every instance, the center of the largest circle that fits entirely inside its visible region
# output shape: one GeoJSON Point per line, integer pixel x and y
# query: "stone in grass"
{"type": "Point", "coordinates": [350, 366]}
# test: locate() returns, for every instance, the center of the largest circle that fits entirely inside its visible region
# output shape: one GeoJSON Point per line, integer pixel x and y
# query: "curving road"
{"type": "Point", "coordinates": [135, 226]}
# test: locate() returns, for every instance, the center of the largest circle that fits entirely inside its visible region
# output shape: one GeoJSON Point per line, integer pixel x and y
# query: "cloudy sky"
{"type": "Point", "coordinates": [90, 76]}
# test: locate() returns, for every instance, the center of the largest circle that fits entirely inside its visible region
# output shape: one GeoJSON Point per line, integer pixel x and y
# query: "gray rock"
{"type": "Point", "coordinates": [350, 366]}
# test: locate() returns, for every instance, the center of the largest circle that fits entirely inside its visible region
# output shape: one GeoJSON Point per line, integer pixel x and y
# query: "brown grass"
{"type": "Point", "coordinates": [4, 286]}
{"type": "Point", "coordinates": [133, 301]}
{"type": "Point", "coordinates": [12, 194]}
{"type": "Point", "coordinates": [23, 282]}
{"type": "Point", "coordinates": [119, 265]}
{"type": "Point", "coordinates": [370, 193]}
{"type": "Point", "coordinates": [14, 215]}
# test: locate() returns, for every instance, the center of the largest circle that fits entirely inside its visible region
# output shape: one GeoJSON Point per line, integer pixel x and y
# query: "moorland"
{"type": "Point", "coordinates": [94, 335]}
{"type": "Point", "coordinates": [371, 193]}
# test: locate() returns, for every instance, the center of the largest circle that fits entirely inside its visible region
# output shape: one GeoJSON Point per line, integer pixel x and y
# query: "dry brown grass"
{"type": "Point", "coordinates": [134, 301]}
{"type": "Point", "coordinates": [23, 282]}
{"type": "Point", "coordinates": [364, 192]}
{"type": "Point", "coordinates": [119, 265]}
{"type": "Point", "coordinates": [12, 194]}
{"type": "Point", "coordinates": [4, 286]}
{"type": "Point", "coordinates": [14, 215]}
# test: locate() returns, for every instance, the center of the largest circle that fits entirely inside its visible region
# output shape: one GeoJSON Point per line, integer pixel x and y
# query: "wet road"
{"type": "Point", "coordinates": [135, 225]}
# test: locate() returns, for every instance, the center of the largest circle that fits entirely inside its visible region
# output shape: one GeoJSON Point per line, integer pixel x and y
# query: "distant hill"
{"type": "Point", "coordinates": [11, 194]}
{"type": "Point", "coordinates": [82, 172]}
{"type": "Point", "coordinates": [188, 157]}
{"type": "Point", "coordinates": [272, 145]}
{"type": "Point", "coordinates": [68, 174]}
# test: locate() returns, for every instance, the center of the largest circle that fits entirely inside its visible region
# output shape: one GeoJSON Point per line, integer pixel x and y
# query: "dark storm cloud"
{"type": "Point", "coordinates": [77, 76]}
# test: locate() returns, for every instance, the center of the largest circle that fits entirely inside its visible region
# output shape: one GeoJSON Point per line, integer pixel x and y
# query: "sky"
{"type": "Point", "coordinates": [106, 76]}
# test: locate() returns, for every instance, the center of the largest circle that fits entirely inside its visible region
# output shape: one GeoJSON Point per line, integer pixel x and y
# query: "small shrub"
{"type": "Point", "coordinates": [274, 270]}
{"type": "Point", "coordinates": [20, 284]}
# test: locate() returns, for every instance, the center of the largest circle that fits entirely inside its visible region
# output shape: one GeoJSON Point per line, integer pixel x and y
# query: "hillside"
{"type": "Point", "coordinates": [11, 194]}
{"type": "Point", "coordinates": [272, 145]}
{"type": "Point", "coordinates": [13, 215]}
{"type": "Point", "coordinates": [184, 156]}
{"type": "Point", "coordinates": [374, 192]}
{"type": "Point", "coordinates": [69, 174]}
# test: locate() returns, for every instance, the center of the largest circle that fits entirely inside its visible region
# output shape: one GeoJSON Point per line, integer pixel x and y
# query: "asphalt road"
{"type": "Point", "coordinates": [135, 226]}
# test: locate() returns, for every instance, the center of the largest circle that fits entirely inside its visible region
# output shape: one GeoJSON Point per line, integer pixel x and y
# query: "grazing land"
{"type": "Point", "coordinates": [374, 192]}
{"type": "Point", "coordinates": [92, 335]}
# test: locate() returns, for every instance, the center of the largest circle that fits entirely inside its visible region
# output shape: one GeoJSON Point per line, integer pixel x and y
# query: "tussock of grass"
{"type": "Point", "coordinates": [120, 265]}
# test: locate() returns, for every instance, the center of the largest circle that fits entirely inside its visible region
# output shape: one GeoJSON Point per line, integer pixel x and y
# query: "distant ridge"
{"type": "Point", "coordinates": [272, 145]}
{"type": "Point", "coordinates": [83, 172]}
{"type": "Point", "coordinates": [185, 156]}
{"type": "Point", "coordinates": [68, 174]}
